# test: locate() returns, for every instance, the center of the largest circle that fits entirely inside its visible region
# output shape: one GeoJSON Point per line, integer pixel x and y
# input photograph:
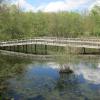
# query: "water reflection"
{"type": "Point", "coordinates": [22, 79]}
{"type": "Point", "coordinates": [89, 71]}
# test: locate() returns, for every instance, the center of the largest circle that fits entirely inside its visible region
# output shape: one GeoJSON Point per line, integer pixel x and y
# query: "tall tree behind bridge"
{"type": "Point", "coordinates": [95, 13]}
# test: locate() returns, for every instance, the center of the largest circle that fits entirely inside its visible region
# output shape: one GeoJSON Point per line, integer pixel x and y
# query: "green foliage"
{"type": "Point", "coordinates": [14, 23]}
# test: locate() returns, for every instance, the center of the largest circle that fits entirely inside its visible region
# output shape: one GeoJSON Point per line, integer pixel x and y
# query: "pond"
{"type": "Point", "coordinates": [25, 79]}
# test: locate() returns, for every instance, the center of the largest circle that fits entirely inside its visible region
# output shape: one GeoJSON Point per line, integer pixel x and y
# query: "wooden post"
{"type": "Point", "coordinates": [45, 49]}
{"type": "Point", "coordinates": [23, 49]}
{"type": "Point", "coordinates": [31, 48]}
{"type": "Point", "coordinates": [35, 49]}
{"type": "Point", "coordinates": [26, 48]}
{"type": "Point", "coordinates": [10, 48]}
{"type": "Point", "coordinates": [41, 49]}
{"type": "Point", "coordinates": [7, 48]}
{"type": "Point", "coordinates": [57, 48]}
{"type": "Point", "coordinates": [17, 48]}
{"type": "Point", "coordinates": [0, 47]}
{"type": "Point", "coordinates": [14, 48]}
{"type": "Point", "coordinates": [84, 50]}
{"type": "Point", "coordinates": [3, 48]}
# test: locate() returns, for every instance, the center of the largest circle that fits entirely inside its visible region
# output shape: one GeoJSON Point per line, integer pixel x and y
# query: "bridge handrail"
{"type": "Point", "coordinates": [37, 39]}
{"type": "Point", "coordinates": [57, 38]}
{"type": "Point", "coordinates": [43, 40]}
{"type": "Point", "coordinates": [78, 42]}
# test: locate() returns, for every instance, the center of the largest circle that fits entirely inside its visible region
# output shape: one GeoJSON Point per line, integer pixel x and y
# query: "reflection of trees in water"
{"type": "Point", "coordinates": [9, 67]}
{"type": "Point", "coordinates": [69, 81]}
{"type": "Point", "coordinates": [66, 81]}
{"type": "Point", "coordinates": [3, 86]}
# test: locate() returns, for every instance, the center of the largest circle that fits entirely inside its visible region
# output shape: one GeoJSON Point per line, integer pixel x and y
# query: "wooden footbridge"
{"type": "Point", "coordinates": [92, 43]}
{"type": "Point", "coordinates": [54, 41]}
{"type": "Point", "coordinates": [83, 43]}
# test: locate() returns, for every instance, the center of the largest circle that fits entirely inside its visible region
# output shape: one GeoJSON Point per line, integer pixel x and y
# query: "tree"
{"type": "Point", "coordinates": [95, 14]}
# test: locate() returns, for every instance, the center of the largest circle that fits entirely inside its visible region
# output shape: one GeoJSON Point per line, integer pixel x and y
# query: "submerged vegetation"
{"type": "Point", "coordinates": [15, 23]}
{"type": "Point", "coordinates": [35, 79]}
{"type": "Point", "coordinates": [6, 70]}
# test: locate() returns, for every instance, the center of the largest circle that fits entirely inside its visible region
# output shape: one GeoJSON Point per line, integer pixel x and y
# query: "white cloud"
{"type": "Point", "coordinates": [54, 6]}
{"type": "Point", "coordinates": [63, 5]}
{"type": "Point", "coordinates": [90, 74]}
{"type": "Point", "coordinates": [97, 2]}
{"type": "Point", "coordinates": [23, 4]}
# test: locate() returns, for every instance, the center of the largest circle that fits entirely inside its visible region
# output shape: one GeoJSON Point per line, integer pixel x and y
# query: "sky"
{"type": "Point", "coordinates": [56, 5]}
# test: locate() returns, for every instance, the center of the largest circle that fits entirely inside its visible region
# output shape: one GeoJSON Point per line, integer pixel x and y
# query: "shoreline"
{"type": "Point", "coordinates": [45, 57]}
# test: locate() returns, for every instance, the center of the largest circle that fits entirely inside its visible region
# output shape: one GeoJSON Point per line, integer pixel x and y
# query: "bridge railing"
{"type": "Point", "coordinates": [54, 38]}
{"type": "Point", "coordinates": [53, 41]}
{"type": "Point", "coordinates": [57, 38]}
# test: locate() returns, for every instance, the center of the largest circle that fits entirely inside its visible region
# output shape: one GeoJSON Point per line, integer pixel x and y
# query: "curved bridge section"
{"type": "Point", "coordinates": [53, 41]}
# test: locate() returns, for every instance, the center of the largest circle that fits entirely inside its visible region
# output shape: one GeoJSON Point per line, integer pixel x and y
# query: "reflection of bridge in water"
{"type": "Point", "coordinates": [53, 41]}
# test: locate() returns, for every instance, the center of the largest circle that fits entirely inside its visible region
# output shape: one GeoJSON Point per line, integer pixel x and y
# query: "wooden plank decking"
{"type": "Point", "coordinates": [53, 41]}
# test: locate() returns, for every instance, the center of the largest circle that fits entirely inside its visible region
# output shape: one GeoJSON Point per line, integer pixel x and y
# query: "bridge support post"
{"type": "Point", "coordinates": [31, 48]}
{"type": "Point", "coordinates": [35, 49]}
{"type": "Point", "coordinates": [84, 51]}
{"type": "Point", "coordinates": [26, 49]}
{"type": "Point", "coordinates": [4, 48]}
{"type": "Point", "coordinates": [17, 48]}
{"type": "Point", "coordinates": [57, 48]}
{"type": "Point", "coordinates": [23, 48]}
{"type": "Point", "coordinates": [0, 47]}
{"type": "Point", "coordinates": [45, 49]}
{"type": "Point", "coordinates": [14, 48]}
{"type": "Point", "coordinates": [9, 48]}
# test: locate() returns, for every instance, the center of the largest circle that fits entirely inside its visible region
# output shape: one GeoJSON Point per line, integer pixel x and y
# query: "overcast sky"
{"type": "Point", "coordinates": [56, 5]}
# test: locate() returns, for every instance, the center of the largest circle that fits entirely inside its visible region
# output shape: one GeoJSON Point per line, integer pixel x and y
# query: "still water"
{"type": "Point", "coordinates": [25, 79]}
